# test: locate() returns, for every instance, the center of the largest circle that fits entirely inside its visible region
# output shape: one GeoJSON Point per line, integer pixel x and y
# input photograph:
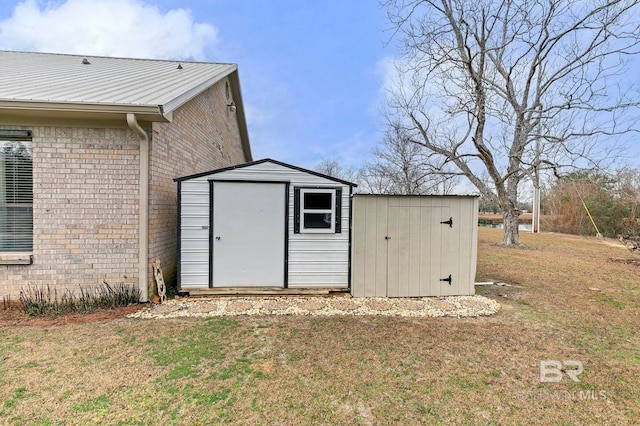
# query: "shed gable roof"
{"type": "Point", "coordinates": [264, 160]}
{"type": "Point", "coordinates": [37, 80]}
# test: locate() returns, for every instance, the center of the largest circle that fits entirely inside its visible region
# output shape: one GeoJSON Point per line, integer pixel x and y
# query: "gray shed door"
{"type": "Point", "coordinates": [413, 246]}
{"type": "Point", "coordinates": [416, 245]}
{"type": "Point", "coordinates": [248, 234]}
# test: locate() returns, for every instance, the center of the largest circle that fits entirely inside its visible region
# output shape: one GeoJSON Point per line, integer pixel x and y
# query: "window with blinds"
{"type": "Point", "coordinates": [16, 191]}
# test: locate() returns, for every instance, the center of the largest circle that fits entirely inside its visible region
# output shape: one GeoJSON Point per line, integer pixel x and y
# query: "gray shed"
{"type": "Point", "coordinates": [414, 246]}
{"type": "Point", "coordinates": [263, 224]}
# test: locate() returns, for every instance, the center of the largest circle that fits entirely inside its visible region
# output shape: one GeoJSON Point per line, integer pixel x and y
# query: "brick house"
{"type": "Point", "coordinates": [77, 136]}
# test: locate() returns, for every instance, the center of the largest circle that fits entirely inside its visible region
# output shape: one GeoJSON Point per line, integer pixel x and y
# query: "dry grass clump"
{"type": "Point", "coordinates": [43, 300]}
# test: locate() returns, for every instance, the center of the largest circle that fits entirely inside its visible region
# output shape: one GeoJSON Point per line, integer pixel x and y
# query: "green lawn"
{"type": "Point", "coordinates": [573, 298]}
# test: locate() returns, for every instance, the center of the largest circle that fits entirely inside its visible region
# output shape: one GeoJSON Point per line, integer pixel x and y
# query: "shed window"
{"type": "Point", "coordinates": [317, 210]}
{"type": "Point", "coordinates": [16, 191]}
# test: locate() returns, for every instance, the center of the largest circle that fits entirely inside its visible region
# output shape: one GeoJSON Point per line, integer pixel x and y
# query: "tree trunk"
{"type": "Point", "coordinates": [510, 224]}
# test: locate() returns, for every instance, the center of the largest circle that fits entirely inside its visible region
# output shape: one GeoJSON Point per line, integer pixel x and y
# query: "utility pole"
{"type": "Point", "coordinates": [535, 217]}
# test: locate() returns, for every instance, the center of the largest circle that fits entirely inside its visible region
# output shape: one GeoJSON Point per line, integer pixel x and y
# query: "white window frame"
{"type": "Point", "coordinates": [332, 211]}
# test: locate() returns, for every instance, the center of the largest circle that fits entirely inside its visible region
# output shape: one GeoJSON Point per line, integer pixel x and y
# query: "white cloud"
{"type": "Point", "coordinates": [387, 72]}
{"type": "Point", "coordinates": [126, 28]}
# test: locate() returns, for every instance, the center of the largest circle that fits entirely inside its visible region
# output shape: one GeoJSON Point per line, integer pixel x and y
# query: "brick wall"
{"type": "Point", "coordinates": [86, 193]}
{"type": "Point", "coordinates": [85, 209]}
{"type": "Point", "coordinates": [203, 136]}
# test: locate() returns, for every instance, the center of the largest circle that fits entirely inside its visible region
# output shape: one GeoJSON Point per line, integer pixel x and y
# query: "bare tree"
{"type": "Point", "coordinates": [403, 167]}
{"type": "Point", "coordinates": [332, 167]}
{"type": "Point", "coordinates": [511, 87]}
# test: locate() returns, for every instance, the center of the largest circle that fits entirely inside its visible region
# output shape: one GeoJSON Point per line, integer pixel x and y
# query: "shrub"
{"type": "Point", "coordinates": [42, 300]}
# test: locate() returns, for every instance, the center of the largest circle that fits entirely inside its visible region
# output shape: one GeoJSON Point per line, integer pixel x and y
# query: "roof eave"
{"type": "Point", "coordinates": [196, 90]}
{"type": "Point", "coordinates": [73, 109]}
{"type": "Point", "coordinates": [232, 73]}
{"type": "Point", "coordinates": [240, 116]}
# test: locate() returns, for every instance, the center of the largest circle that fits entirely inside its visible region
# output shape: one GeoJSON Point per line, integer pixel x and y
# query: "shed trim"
{"type": "Point", "coordinates": [287, 187]}
{"type": "Point", "coordinates": [349, 266]}
{"type": "Point", "coordinates": [337, 210]}
{"type": "Point", "coordinates": [264, 160]}
{"type": "Point", "coordinates": [212, 182]}
{"type": "Point", "coordinates": [419, 195]}
{"type": "Point", "coordinates": [211, 233]}
{"type": "Point", "coordinates": [179, 235]}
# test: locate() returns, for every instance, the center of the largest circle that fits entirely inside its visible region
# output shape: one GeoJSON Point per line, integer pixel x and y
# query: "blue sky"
{"type": "Point", "coordinates": [311, 71]}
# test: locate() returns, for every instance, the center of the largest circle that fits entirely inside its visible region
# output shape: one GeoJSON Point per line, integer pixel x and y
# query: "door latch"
{"type": "Point", "coordinates": [448, 222]}
{"type": "Point", "coordinates": [218, 238]}
{"type": "Point", "coordinates": [387, 238]}
{"type": "Point", "coordinates": [448, 279]}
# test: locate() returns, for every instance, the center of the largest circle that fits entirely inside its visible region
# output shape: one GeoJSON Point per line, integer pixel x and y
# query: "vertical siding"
{"type": "Point", "coordinates": [429, 250]}
{"type": "Point", "coordinates": [420, 250]}
{"type": "Point", "coordinates": [194, 234]}
{"type": "Point", "coordinates": [369, 247]}
{"type": "Point", "coordinates": [451, 257]}
{"type": "Point", "coordinates": [315, 260]}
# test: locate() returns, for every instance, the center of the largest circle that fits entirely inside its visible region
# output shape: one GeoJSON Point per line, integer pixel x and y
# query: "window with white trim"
{"type": "Point", "coordinates": [16, 191]}
{"type": "Point", "coordinates": [317, 210]}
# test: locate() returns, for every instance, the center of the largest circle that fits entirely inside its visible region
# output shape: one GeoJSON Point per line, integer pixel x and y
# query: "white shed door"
{"type": "Point", "coordinates": [248, 234]}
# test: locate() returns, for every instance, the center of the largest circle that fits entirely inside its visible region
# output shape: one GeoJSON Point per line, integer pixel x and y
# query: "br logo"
{"type": "Point", "coordinates": [551, 371]}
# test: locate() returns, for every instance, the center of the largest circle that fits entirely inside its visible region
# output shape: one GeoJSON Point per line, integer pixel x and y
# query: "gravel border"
{"type": "Point", "coordinates": [451, 306]}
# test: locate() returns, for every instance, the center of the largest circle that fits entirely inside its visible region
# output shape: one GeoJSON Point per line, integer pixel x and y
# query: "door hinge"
{"type": "Point", "coordinates": [448, 222]}
{"type": "Point", "coordinates": [448, 279]}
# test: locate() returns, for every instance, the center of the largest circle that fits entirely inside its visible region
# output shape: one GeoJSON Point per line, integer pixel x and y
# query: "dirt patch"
{"type": "Point", "coordinates": [14, 316]}
{"type": "Point", "coordinates": [503, 293]}
{"type": "Point", "coordinates": [266, 367]}
{"type": "Point", "coordinates": [634, 262]}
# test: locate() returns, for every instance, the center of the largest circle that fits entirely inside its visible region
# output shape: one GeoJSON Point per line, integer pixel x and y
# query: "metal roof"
{"type": "Point", "coordinates": [103, 84]}
{"type": "Point", "coordinates": [264, 160]}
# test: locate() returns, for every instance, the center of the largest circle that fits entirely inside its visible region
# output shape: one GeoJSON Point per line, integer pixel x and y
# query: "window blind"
{"type": "Point", "coordinates": [16, 192]}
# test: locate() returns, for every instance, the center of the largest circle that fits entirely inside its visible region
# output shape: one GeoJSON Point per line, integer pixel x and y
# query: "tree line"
{"type": "Point", "coordinates": [612, 200]}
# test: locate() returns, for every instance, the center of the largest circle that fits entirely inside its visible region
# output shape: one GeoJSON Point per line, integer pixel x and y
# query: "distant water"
{"type": "Point", "coordinates": [521, 226]}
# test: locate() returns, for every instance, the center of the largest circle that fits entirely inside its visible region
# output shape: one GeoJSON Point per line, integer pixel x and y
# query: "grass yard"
{"type": "Point", "coordinates": [572, 298]}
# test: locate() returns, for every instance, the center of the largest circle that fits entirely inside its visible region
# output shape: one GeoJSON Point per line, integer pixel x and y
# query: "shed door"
{"type": "Point", "coordinates": [417, 247]}
{"type": "Point", "coordinates": [248, 234]}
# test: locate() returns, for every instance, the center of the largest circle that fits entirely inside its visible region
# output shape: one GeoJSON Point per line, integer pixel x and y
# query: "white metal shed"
{"type": "Point", "coordinates": [414, 246]}
{"type": "Point", "coordinates": [263, 224]}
